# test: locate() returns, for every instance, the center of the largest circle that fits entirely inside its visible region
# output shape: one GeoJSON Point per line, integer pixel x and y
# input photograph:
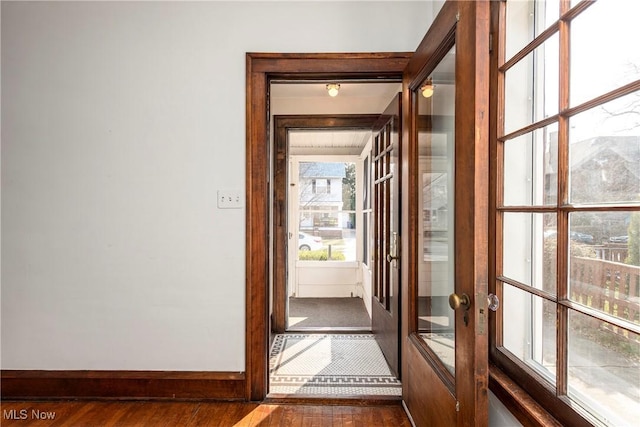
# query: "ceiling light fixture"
{"type": "Point", "coordinates": [333, 89]}
{"type": "Point", "coordinates": [427, 89]}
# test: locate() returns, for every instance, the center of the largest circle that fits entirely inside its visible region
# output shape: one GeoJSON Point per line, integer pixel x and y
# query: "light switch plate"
{"type": "Point", "coordinates": [230, 199]}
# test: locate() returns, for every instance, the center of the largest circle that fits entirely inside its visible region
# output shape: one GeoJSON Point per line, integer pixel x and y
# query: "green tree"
{"type": "Point", "coordinates": [633, 257]}
{"type": "Point", "coordinates": [349, 191]}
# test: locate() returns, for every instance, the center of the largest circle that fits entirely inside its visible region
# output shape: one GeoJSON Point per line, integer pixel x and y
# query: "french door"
{"type": "Point", "coordinates": [385, 304]}
{"type": "Point", "coordinates": [444, 251]}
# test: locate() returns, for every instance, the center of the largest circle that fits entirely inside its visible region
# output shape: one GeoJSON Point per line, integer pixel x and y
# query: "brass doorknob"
{"type": "Point", "coordinates": [456, 301]}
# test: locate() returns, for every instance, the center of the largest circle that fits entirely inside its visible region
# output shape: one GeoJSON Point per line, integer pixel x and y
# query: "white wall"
{"type": "Point", "coordinates": [326, 279]}
{"type": "Point", "coordinates": [120, 120]}
{"type": "Point", "coordinates": [367, 287]}
{"type": "Point", "coordinates": [499, 415]}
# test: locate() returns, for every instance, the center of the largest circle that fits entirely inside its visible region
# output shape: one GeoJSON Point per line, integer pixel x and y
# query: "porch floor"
{"type": "Point", "coordinates": [328, 313]}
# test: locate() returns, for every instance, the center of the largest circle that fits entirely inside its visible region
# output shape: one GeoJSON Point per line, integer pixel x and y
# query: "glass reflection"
{"type": "Point", "coordinates": [604, 269]}
{"type": "Point", "coordinates": [603, 370]}
{"type": "Point", "coordinates": [530, 330]}
{"type": "Point", "coordinates": [529, 249]}
{"type": "Point", "coordinates": [526, 20]}
{"type": "Point", "coordinates": [436, 110]}
{"type": "Point", "coordinates": [617, 63]}
{"type": "Point", "coordinates": [531, 87]}
{"type": "Point", "coordinates": [530, 168]}
{"type": "Point", "coordinates": [604, 152]}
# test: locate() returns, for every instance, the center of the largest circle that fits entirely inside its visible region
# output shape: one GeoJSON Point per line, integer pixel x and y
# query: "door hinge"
{"type": "Point", "coordinates": [457, 406]}
{"type": "Point", "coordinates": [490, 42]}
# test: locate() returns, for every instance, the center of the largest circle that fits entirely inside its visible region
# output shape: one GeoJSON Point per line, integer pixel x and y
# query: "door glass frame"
{"type": "Point", "coordinates": [445, 47]}
{"type": "Point", "coordinates": [436, 152]}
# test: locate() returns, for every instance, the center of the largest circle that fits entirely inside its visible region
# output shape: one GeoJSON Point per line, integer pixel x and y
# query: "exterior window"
{"type": "Point", "coordinates": [366, 210]}
{"type": "Point", "coordinates": [321, 186]}
{"type": "Point", "coordinates": [326, 212]}
{"type": "Point", "coordinates": [567, 206]}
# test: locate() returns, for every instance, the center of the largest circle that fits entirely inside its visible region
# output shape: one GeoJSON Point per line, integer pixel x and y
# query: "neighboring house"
{"type": "Point", "coordinates": [435, 202]}
{"type": "Point", "coordinates": [604, 169]}
{"type": "Point", "coordinates": [321, 195]}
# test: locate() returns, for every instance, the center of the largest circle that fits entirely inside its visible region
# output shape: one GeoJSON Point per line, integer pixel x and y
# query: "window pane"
{"type": "Point", "coordinates": [606, 277]}
{"type": "Point", "coordinates": [605, 152]}
{"type": "Point", "coordinates": [603, 369]}
{"type": "Point", "coordinates": [436, 208]}
{"type": "Point", "coordinates": [526, 20]}
{"type": "Point", "coordinates": [366, 184]}
{"type": "Point", "coordinates": [326, 213]}
{"type": "Point", "coordinates": [603, 57]}
{"type": "Point", "coordinates": [530, 168]}
{"type": "Point", "coordinates": [529, 99]}
{"type": "Point", "coordinates": [529, 249]}
{"type": "Point", "coordinates": [366, 241]}
{"type": "Point", "coordinates": [529, 330]}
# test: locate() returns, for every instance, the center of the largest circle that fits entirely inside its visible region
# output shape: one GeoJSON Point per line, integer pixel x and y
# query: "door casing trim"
{"type": "Point", "coordinates": [282, 124]}
{"type": "Point", "coordinates": [261, 68]}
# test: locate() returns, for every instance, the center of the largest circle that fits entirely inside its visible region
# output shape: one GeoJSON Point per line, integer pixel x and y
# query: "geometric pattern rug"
{"type": "Point", "coordinates": [330, 364]}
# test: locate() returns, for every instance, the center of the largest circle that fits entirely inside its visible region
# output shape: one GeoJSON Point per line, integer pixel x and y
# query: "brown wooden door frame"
{"type": "Point", "coordinates": [260, 69]}
{"type": "Point", "coordinates": [464, 402]}
{"type": "Point", "coordinates": [282, 124]}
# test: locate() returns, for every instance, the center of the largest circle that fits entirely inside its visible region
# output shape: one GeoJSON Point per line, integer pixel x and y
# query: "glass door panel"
{"type": "Point", "coordinates": [436, 120]}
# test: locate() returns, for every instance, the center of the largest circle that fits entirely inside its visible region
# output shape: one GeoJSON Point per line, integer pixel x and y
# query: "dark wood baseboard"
{"type": "Point", "coordinates": [166, 385]}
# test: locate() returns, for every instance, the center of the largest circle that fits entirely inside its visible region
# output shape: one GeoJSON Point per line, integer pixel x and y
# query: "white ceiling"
{"type": "Point", "coordinates": [347, 142]}
{"type": "Point", "coordinates": [312, 98]}
{"type": "Point", "coordinates": [375, 92]}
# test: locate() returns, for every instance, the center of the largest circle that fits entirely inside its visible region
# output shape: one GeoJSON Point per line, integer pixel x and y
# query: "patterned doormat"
{"type": "Point", "coordinates": [330, 364]}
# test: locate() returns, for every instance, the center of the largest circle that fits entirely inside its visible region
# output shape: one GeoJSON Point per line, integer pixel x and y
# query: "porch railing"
{"type": "Point", "coordinates": [607, 286]}
{"type": "Point", "coordinates": [616, 252]}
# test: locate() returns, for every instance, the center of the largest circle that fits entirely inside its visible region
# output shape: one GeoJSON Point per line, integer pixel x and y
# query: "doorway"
{"type": "Point", "coordinates": [331, 221]}
{"type": "Point", "coordinates": [325, 265]}
{"type": "Point", "coordinates": [261, 69]}
{"type": "Point", "coordinates": [465, 27]}
{"type": "Point", "coordinates": [323, 223]}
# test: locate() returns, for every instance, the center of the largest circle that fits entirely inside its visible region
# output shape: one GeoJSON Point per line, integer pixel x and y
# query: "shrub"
{"type": "Point", "coordinates": [634, 240]}
{"type": "Point", "coordinates": [320, 255]}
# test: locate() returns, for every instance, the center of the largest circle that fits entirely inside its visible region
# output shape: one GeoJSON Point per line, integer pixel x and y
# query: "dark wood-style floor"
{"type": "Point", "coordinates": [91, 413]}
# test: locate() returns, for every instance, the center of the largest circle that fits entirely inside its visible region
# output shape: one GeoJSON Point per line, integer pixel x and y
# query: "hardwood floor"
{"type": "Point", "coordinates": [124, 414]}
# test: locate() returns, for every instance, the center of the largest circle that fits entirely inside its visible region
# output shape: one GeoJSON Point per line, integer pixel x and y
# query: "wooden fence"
{"type": "Point", "coordinates": [616, 252]}
{"type": "Point", "coordinates": [607, 286]}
